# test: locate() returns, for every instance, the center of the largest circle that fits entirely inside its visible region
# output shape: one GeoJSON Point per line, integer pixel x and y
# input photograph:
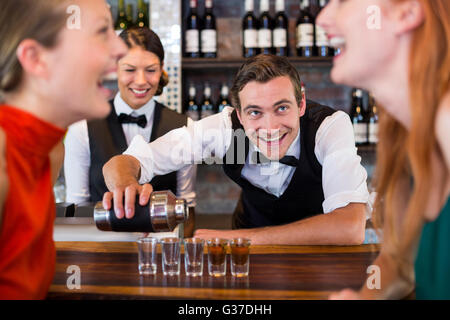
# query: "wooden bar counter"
{"type": "Point", "coordinates": [109, 270]}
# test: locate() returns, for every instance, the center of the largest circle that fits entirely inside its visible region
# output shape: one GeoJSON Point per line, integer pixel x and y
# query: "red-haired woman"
{"type": "Point", "coordinates": [400, 51]}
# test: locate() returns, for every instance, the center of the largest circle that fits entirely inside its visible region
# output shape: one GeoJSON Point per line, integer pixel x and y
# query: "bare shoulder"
{"type": "Point", "coordinates": [443, 118]}
{"type": "Point", "coordinates": [443, 127]}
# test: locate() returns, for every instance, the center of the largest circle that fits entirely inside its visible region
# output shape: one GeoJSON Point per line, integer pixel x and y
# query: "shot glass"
{"type": "Point", "coordinates": [170, 248]}
{"type": "Point", "coordinates": [217, 257]}
{"type": "Point", "coordinates": [147, 255]}
{"type": "Point", "coordinates": [193, 256]}
{"type": "Point", "coordinates": [240, 257]}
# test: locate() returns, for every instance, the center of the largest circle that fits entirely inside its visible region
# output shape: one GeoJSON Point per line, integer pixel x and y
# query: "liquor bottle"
{"type": "Point", "coordinates": [250, 31]}
{"type": "Point", "coordinates": [193, 110]}
{"type": "Point", "coordinates": [224, 102]}
{"type": "Point", "coordinates": [192, 35]}
{"type": "Point", "coordinates": [209, 33]}
{"type": "Point", "coordinates": [305, 30]}
{"type": "Point", "coordinates": [130, 15]}
{"type": "Point", "coordinates": [357, 117]}
{"type": "Point", "coordinates": [265, 28]}
{"type": "Point", "coordinates": [207, 106]}
{"type": "Point", "coordinates": [142, 19]}
{"type": "Point", "coordinates": [322, 43]}
{"type": "Point", "coordinates": [280, 31]}
{"type": "Point", "coordinates": [373, 121]}
{"type": "Point", "coordinates": [121, 21]}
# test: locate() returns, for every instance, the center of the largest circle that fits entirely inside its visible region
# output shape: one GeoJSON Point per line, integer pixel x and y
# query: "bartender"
{"type": "Point", "coordinates": [134, 111]}
{"type": "Point", "coordinates": [301, 178]}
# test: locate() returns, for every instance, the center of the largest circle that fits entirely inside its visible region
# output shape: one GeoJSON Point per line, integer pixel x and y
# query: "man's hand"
{"type": "Point", "coordinates": [121, 177]}
{"type": "Point", "coordinates": [129, 192]}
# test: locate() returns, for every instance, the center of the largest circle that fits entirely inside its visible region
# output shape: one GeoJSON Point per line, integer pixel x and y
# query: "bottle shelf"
{"type": "Point", "coordinates": [235, 63]}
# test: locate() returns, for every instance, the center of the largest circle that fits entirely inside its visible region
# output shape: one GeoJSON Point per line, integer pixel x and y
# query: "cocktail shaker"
{"type": "Point", "coordinates": [162, 214]}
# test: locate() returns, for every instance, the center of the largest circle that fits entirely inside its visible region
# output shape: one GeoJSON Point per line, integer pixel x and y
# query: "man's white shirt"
{"type": "Point", "coordinates": [343, 176]}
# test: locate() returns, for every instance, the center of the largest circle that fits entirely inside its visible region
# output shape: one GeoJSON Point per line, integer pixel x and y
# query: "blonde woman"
{"type": "Point", "coordinates": [51, 71]}
{"type": "Point", "coordinates": [400, 51]}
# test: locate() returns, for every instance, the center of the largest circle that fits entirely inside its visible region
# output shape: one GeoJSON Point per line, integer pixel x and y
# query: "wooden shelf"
{"type": "Point", "coordinates": [235, 63]}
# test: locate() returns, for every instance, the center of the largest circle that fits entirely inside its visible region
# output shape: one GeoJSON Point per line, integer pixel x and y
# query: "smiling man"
{"type": "Point", "coordinates": [299, 162]}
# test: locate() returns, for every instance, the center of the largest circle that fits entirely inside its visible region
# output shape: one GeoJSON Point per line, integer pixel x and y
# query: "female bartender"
{"type": "Point", "coordinates": [134, 111]}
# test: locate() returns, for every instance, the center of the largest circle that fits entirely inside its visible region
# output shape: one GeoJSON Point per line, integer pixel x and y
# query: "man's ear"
{"type": "Point", "coordinates": [408, 15]}
{"type": "Point", "coordinates": [31, 57]}
{"type": "Point", "coordinates": [302, 105]}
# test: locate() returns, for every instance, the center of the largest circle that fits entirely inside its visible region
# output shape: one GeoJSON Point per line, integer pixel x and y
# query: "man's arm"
{"type": "Point", "coordinates": [343, 226]}
{"type": "Point", "coordinates": [171, 152]}
{"type": "Point", "coordinates": [4, 186]}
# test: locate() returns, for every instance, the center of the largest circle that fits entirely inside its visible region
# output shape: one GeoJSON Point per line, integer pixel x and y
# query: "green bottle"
{"type": "Point", "coordinates": [121, 22]}
{"type": "Point", "coordinates": [142, 20]}
{"type": "Point", "coordinates": [130, 15]}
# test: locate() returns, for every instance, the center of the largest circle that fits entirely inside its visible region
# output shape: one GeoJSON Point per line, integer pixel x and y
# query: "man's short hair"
{"type": "Point", "coordinates": [263, 68]}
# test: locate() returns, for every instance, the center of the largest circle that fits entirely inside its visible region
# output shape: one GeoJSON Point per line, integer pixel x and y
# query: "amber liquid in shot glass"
{"type": "Point", "coordinates": [217, 253]}
{"type": "Point", "coordinates": [240, 257]}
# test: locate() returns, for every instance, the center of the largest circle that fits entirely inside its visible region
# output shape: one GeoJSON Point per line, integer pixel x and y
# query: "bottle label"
{"type": "Point", "coordinates": [265, 38]}
{"type": "Point", "coordinates": [279, 38]}
{"type": "Point", "coordinates": [305, 35]}
{"type": "Point", "coordinates": [194, 115]}
{"type": "Point", "coordinates": [209, 40]}
{"type": "Point", "coordinates": [250, 38]}
{"type": "Point", "coordinates": [360, 130]}
{"type": "Point", "coordinates": [321, 37]}
{"type": "Point", "coordinates": [373, 132]}
{"type": "Point", "coordinates": [192, 41]}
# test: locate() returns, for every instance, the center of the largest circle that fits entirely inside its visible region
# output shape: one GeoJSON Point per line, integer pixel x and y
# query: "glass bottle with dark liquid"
{"type": "Point", "coordinates": [305, 31]}
{"type": "Point", "coordinates": [250, 31]}
{"type": "Point", "coordinates": [280, 31]}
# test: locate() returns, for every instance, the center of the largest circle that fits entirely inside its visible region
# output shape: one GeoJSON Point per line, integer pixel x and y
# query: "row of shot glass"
{"type": "Point", "coordinates": [193, 256]}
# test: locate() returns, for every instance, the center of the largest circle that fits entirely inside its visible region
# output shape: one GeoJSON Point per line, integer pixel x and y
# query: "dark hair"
{"type": "Point", "coordinates": [263, 68]}
{"type": "Point", "coordinates": [147, 40]}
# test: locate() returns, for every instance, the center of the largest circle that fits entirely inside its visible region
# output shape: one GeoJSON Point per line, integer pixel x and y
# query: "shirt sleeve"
{"type": "Point", "coordinates": [191, 144]}
{"type": "Point", "coordinates": [77, 161]}
{"type": "Point", "coordinates": [186, 179]}
{"type": "Point", "coordinates": [344, 179]}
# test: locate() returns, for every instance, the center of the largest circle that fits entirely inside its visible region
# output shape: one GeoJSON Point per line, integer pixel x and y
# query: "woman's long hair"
{"type": "Point", "coordinates": [404, 170]}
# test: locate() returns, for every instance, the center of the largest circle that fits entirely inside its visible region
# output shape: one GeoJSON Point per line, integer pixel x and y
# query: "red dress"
{"type": "Point", "coordinates": [27, 250]}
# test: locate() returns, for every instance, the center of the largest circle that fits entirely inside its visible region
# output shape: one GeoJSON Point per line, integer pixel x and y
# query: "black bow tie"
{"type": "Point", "coordinates": [141, 121]}
{"type": "Point", "coordinates": [259, 158]}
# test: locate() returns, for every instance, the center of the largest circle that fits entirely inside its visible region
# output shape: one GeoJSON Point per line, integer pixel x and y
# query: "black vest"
{"type": "Point", "coordinates": [304, 195]}
{"type": "Point", "coordinates": [106, 139]}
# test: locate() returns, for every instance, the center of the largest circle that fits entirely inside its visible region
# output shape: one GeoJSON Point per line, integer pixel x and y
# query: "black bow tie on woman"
{"type": "Point", "coordinates": [259, 158]}
{"type": "Point", "coordinates": [140, 121]}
